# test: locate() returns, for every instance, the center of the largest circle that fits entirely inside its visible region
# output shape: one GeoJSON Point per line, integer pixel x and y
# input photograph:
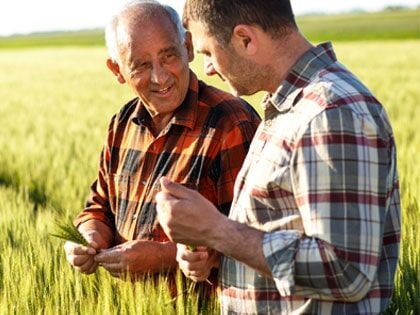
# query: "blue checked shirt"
{"type": "Point", "coordinates": [321, 181]}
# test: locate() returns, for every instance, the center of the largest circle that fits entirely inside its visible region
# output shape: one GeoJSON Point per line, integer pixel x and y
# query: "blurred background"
{"type": "Point", "coordinates": [57, 97]}
{"type": "Point", "coordinates": [25, 16]}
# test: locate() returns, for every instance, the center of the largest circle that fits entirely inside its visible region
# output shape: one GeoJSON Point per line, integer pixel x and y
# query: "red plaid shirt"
{"type": "Point", "coordinates": [321, 180]}
{"type": "Point", "coordinates": [202, 147]}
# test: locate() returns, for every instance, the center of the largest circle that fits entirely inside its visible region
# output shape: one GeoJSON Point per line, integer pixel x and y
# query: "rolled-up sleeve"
{"type": "Point", "coordinates": [97, 205]}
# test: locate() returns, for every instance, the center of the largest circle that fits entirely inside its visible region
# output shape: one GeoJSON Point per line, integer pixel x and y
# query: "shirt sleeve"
{"type": "Point", "coordinates": [234, 148]}
{"type": "Point", "coordinates": [341, 179]}
{"type": "Point", "coordinates": [97, 205]}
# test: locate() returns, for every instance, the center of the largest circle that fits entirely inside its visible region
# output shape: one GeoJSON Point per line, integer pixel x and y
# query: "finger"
{"type": "Point", "coordinates": [198, 279]}
{"type": "Point", "coordinates": [199, 267]}
{"type": "Point", "coordinates": [195, 277]}
{"type": "Point", "coordinates": [191, 257]}
{"type": "Point", "coordinates": [92, 268]}
{"type": "Point", "coordinates": [76, 249]}
{"type": "Point", "coordinates": [93, 244]}
{"type": "Point", "coordinates": [199, 275]}
{"type": "Point", "coordinates": [87, 265]}
{"type": "Point", "coordinates": [108, 256]}
{"type": "Point", "coordinates": [115, 268]}
{"type": "Point", "coordinates": [78, 260]}
{"type": "Point", "coordinates": [201, 249]}
{"type": "Point", "coordinates": [175, 189]}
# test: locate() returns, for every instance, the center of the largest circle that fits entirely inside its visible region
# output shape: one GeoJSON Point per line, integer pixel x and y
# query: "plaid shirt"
{"type": "Point", "coordinates": [203, 147]}
{"type": "Point", "coordinates": [321, 181]}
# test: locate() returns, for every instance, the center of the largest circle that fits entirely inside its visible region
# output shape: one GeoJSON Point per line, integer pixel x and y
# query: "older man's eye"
{"type": "Point", "coordinates": [140, 69]}
{"type": "Point", "coordinates": [170, 57]}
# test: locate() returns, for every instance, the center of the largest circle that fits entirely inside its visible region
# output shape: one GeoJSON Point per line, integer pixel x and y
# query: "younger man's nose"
{"type": "Point", "coordinates": [208, 67]}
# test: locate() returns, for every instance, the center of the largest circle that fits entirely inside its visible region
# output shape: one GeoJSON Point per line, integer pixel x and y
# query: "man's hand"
{"type": "Point", "coordinates": [137, 257]}
{"type": "Point", "coordinates": [185, 215]}
{"type": "Point", "coordinates": [82, 257]}
{"type": "Point", "coordinates": [197, 265]}
{"type": "Point", "coordinates": [98, 235]}
{"type": "Point", "coordinates": [189, 218]}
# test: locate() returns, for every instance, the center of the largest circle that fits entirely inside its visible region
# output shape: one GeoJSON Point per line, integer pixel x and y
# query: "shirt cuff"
{"type": "Point", "coordinates": [280, 250]}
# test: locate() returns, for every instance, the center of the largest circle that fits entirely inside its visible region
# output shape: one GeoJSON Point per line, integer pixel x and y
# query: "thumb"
{"type": "Point", "coordinates": [175, 189]}
{"type": "Point", "coordinates": [93, 244]}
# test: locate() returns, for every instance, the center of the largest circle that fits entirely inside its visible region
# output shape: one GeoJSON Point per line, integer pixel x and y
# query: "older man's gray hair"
{"type": "Point", "coordinates": [151, 7]}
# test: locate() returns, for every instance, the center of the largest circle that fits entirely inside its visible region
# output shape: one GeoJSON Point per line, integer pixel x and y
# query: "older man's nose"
{"type": "Point", "coordinates": [159, 74]}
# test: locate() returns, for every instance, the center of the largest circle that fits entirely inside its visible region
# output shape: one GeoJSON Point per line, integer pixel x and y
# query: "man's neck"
{"type": "Point", "coordinates": [285, 53]}
{"type": "Point", "coordinates": [160, 121]}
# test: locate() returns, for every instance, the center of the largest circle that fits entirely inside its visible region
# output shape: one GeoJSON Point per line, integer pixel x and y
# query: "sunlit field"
{"type": "Point", "coordinates": [55, 104]}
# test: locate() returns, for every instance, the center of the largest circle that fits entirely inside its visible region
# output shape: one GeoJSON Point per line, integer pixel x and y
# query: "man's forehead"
{"type": "Point", "coordinates": [199, 33]}
{"type": "Point", "coordinates": [145, 34]}
{"type": "Point", "coordinates": [197, 27]}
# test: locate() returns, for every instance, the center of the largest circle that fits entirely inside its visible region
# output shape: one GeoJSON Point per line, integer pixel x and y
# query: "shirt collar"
{"type": "Point", "coordinates": [300, 75]}
{"type": "Point", "coordinates": [184, 115]}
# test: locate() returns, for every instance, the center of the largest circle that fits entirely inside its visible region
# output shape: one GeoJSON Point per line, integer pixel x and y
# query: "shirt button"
{"type": "Point", "coordinates": [268, 123]}
{"type": "Point", "coordinates": [135, 216]}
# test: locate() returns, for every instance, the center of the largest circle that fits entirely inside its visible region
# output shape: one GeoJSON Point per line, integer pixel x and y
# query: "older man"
{"type": "Point", "coordinates": [177, 127]}
{"type": "Point", "coordinates": [315, 223]}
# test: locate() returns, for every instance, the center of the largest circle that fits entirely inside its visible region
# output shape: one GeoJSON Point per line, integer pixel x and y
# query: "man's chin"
{"type": "Point", "coordinates": [241, 91]}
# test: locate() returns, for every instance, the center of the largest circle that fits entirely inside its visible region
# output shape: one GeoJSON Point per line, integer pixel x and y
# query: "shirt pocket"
{"type": "Point", "coordinates": [122, 190]}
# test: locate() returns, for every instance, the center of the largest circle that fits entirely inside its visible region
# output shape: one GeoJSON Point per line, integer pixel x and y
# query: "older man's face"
{"type": "Point", "coordinates": [154, 63]}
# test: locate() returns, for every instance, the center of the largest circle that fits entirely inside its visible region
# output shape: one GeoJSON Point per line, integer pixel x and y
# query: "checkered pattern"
{"type": "Point", "coordinates": [202, 147]}
{"type": "Point", "coordinates": [321, 180]}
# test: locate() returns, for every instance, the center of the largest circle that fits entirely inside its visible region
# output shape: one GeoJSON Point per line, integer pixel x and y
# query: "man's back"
{"type": "Point", "coordinates": [324, 198]}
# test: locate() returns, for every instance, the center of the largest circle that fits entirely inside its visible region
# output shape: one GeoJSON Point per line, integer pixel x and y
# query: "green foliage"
{"type": "Point", "coordinates": [385, 25]}
{"type": "Point", "coordinates": [55, 39]}
{"type": "Point", "coordinates": [389, 24]}
{"type": "Point", "coordinates": [68, 232]}
{"type": "Point", "coordinates": [55, 106]}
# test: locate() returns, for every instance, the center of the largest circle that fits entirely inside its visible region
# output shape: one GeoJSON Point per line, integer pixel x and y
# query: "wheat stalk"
{"type": "Point", "coordinates": [68, 232]}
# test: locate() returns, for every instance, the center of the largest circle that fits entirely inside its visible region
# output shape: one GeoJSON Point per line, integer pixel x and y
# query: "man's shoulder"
{"type": "Point", "coordinates": [127, 110]}
{"type": "Point", "coordinates": [339, 86]}
{"type": "Point", "coordinates": [336, 87]}
{"type": "Point", "coordinates": [335, 95]}
{"type": "Point", "coordinates": [225, 104]}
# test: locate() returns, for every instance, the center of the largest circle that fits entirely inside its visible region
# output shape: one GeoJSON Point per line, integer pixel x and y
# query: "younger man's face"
{"type": "Point", "coordinates": [238, 72]}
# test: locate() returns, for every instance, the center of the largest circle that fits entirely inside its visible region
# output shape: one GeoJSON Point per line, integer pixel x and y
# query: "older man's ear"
{"type": "Point", "coordinates": [189, 45]}
{"type": "Point", "coordinates": [115, 69]}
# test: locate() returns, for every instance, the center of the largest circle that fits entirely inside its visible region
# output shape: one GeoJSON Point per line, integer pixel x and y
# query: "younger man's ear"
{"type": "Point", "coordinates": [244, 38]}
{"type": "Point", "coordinates": [115, 69]}
{"type": "Point", "coordinates": [189, 45]}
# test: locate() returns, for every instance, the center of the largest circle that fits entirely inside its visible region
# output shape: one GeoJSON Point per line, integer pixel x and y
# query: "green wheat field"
{"type": "Point", "coordinates": [55, 103]}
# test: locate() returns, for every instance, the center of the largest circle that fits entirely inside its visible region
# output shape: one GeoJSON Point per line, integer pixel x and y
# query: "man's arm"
{"type": "Point", "coordinates": [95, 222]}
{"type": "Point", "coordinates": [97, 208]}
{"type": "Point", "coordinates": [98, 232]}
